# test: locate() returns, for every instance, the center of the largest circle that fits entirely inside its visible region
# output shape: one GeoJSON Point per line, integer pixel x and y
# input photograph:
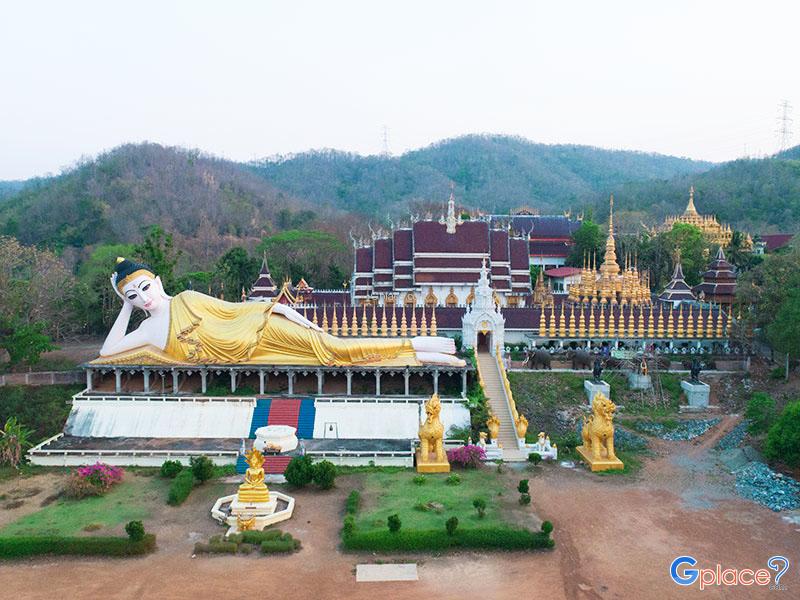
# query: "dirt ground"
{"type": "Point", "coordinates": [615, 538]}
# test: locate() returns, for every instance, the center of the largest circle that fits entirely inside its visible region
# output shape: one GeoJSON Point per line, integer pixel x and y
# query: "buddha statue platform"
{"type": "Point", "coordinates": [253, 506]}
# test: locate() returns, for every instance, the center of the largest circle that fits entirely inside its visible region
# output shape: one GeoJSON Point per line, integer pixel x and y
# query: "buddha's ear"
{"type": "Point", "coordinates": [160, 286]}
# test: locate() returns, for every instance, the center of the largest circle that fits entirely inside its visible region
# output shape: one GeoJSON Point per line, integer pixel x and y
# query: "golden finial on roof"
{"type": "Point", "coordinates": [393, 328]}
{"type": "Point", "coordinates": [434, 327]}
{"type": "Point", "coordinates": [324, 318]}
{"type": "Point", "coordinates": [384, 323]}
{"type": "Point", "coordinates": [403, 324]}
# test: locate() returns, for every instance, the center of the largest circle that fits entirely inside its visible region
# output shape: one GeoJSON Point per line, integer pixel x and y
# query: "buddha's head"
{"type": "Point", "coordinates": [137, 283]}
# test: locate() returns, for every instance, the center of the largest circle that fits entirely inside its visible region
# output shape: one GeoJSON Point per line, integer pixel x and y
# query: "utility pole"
{"type": "Point", "coordinates": [784, 129]}
{"type": "Point", "coordinates": [386, 141]}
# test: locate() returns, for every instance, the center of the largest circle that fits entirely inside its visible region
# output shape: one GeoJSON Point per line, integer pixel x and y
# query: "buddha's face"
{"type": "Point", "coordinates": [145, 292]}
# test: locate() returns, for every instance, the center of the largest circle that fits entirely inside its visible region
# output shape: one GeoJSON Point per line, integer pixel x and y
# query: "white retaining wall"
{"type": "Point", "coordinates": [121, 418]}
{"type": "Point", "coordinates": [380, 420]}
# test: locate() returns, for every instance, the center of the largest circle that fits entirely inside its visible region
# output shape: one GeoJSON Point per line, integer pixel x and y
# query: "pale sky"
{"type": "Point", "coordinates": [246, 80]}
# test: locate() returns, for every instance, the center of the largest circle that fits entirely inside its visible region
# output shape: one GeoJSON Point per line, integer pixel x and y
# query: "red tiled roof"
{"type": "Point", "coordinates": [383, 254]}
{"type": "Point", "coordinates": [470, 237]}
{"type": "Point", "coordinates": [499, 241]}
{"type": "Point", "coordinates": [364, 260]}
{"type": "Point", "coordinates": [519, 254]}
{"type": "Point", "coordinates": [774, 241]}
{"type": "Point", "coordinates": [563, 272]}
{"type": "Point", "coordinates": [549, 248]}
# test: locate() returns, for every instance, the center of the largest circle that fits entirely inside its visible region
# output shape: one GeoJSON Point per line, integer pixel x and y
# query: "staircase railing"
{"type": "Point", "coordinates": [520, 422]}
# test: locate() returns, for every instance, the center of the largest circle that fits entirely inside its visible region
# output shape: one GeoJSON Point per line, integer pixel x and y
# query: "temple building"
{"type": "Point", "coordinates": [549, 236]}
{"type": "Point", "coordinates": [715, 232]}
{"type": "Point", "coordinates": [264, 287]}
{"type": "Point", "coordinates": [609, 284]}
{"type": "Point", "coordinates": [438, 263]}
{"type": "Point", "coordinates": [677, 290]}
{"type": "Point", "coordinates": [719, 282]}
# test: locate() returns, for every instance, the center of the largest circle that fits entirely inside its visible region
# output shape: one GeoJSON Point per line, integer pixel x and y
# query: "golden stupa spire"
{"type": "Point", "coordinates": [413, 324]}
{"type": "Point", "coordinates": [384, 323]}
{"type": "Point", "coordinates": [690, 209]}
{"type": "Point", "coordinates": [434, 327]}
{"type": "Point", "coordinates": [364, 326]}
{"type": "Point", "coordinates": [374, 322]}
{"type": "Point", "coordinates": [334, 322]}
{"type": "Point", "coordinates": [345, 329]}
{"type": "Point", "coordinates": [403, 326]}
{"type": "Point", "coordinates": [324, 318]}
{"type": "Point", "coordinates": [393, 328]}
{"type": "Point", "coordinates": [423, 325]}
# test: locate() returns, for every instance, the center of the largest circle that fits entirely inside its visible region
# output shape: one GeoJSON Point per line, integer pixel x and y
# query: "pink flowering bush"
{"type": "Point", "coordinates": [92, 480]}
{"type": "Point", "coordinates": [467, 457]}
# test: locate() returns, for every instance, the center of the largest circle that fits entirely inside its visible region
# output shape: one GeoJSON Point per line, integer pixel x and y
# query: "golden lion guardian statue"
{"type": "Point", "coordinates": [598, 436]}
{"type": "Point", "coordinates": [431, 457]}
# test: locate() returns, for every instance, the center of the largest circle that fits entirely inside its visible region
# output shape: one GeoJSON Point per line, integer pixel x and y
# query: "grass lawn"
{"type": "Point", "coordinates": [386, 494]}
{"type": "Point", "coordinates": [133, 499]}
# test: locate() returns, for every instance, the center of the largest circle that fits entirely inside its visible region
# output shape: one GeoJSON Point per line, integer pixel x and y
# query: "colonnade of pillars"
{"type": "Point", "coordinates": [263, 375]}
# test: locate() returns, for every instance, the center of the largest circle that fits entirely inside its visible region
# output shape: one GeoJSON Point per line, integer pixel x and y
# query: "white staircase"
{"type": "Point", "coordinates": [496, 396]}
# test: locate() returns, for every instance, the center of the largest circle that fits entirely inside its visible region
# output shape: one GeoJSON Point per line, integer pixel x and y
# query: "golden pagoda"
{"type": "Point", "coordinates": [608, 283]}
{"type": "Point", "coordinates": [715, 232]}
{"type": "Point", "coordinates": [542, 294]}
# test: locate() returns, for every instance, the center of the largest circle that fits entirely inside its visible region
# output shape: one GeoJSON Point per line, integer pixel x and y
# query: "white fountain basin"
{"type": "Point", "coordinates": [280, 436]}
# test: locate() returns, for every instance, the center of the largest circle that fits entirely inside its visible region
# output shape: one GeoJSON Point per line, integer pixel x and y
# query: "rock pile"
{"type": "Point", "coordinates": [684, 430]}
{"type": "Point", "coordinates": [735, 437]}
{"type": "Point", "coordinates": [756, 481]}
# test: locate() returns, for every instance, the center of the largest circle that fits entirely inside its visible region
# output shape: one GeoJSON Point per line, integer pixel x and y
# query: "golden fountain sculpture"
{"type": "Point", "coordinates": [431, 457]}
{"type": "Point", "coordinates": [254, 489]}
{"type": "Point", "coordinates": [598, 436]}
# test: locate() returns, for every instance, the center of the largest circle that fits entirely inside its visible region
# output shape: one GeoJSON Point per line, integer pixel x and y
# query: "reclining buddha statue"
{"type": "Point", "coordinates": [192, 328]}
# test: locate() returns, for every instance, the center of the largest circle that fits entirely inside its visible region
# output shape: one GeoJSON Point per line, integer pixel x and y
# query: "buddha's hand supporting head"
{"type": "Point", "coordinates": [137, 285]}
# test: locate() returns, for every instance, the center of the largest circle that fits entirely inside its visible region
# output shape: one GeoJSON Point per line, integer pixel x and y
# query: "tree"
{"type": "Point", "coordinates": [98, 303]}
{"type": "Point", "coordinates": [451, 525]}
{"type": "Point", "coordinates": [324, 474]}
{"type": "Point", "coordinates": [14, 440]}
{"type": "Point", "coordinates": [589, 241]}
{"type": "Point", "coordinates": [480, 506]}
{"type": "Point", "coordinates": [394, 523]}
{"type": "Point", "coordinates": [24, 342]}
{"type": "Point", "coordinates": [321, 258]}
{"type": "Point", "coordinates": [300, 471]}
{"type": "Point", "coordinates": [135, 531]}
{"type": "Point", "coordinates": [693, 247]}
{"type": "Point", "coordinates": [158, 250]}
{"type": "Point", "coordinates": [237, 270]}
{"type": "Point", "coordinates": [784, 331]}
{"type": "Point", "coordinates": [783, 439]}
{"type": "Point", "coordinates": [760, 412]}
{"type": "Point", "coordinates": [202, 468]}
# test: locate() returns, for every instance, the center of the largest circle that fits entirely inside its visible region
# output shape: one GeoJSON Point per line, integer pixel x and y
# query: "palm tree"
{"type": "Point", "coordinates": [14, 440]}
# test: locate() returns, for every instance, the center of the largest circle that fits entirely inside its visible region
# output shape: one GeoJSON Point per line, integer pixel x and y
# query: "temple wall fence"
{"type": "Point", "coordinates": [43, 378]}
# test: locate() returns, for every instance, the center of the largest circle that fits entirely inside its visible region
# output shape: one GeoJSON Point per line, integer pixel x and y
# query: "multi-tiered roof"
{"type": "Point", "coordinates": [677, 289]}
{"type": "Point", "coordinates": [719, 281]}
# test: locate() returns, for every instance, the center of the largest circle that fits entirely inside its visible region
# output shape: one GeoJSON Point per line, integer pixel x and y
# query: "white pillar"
{"type": "Point", "coordinates": [436, 381]}
{"type": "Point", "coordinates": [89, 379]}
{"type": "Point", "coordinates": [146, 381]}
{"type": "Point", "coordinates": [349, 375]}
{"type": "Point", "coordinates": [261, 376]}
{"type": "Point", "coordinates": [233, 381]}
{"type": "Point", "coordinates": [203, 381]}
{"type": "Point", "coordinates": [320, 381]}
{"type": "Point", "coordinates": [175, 381]}
{"type": "Point", "coordinates": [463, 384]}
{"type": "Point", "coordinates": [117, 380]}
{"type": "Point", "coordinates": [290, 376]}
{"type": "Point", "coordinates": [377, 383]}
{"type": "Point", "coordinates": [406, 376]}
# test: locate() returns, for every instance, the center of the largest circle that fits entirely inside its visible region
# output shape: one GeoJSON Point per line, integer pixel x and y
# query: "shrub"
{"type": "Point", "coordinates": [394, 523]}
{"type": "Point", "coordinates": [534, 458]}
{"type": "Point", "coordinates": [284, 544]}
{"type": "Point", "coordinates": [300, 471]}
{"type": "Point", "coordinates": [324, 474]}
{"type": "Point", "coordinates": [349, 525]}
{"type": "Point", "coordinates": [202, 468]}
{"type": "Point", "coordinates": [77, 487]}
{"type": "Point", "coordinates": [547, 527]}
{"type": "Point", "coordinates": [451, 525]}
{"type": "Point", "coordinates": [523, 487]}
{"type": "Point", "coordinates": [525, 499]}
{"type": "Point", "coordinates": [135, 531]}
{"type": "Point", "coordinates": [180, 488]}
{"type": "Point", "coordinates": [432, 540]}
{"type": "Point", "coordinates": [353, 502]}
{"type": "Point", "coordinates": [453, 480]}
{"type": "Point", "coordinates": [459, 433]}
{"type": "Point", "coordinates": [217, 547]}
{"type": "Point", "coordinates": [480, 506]}
{"type": "Point", "coordinates": [246, 548]}
{"type": "Point", "coordinates": [171, 468]}
{"type": "Point", "coordinates": [22, 546]}
{"type": "Point", "coordinates": [256, 537]}
{"type": "Point", "coordinates": [419, 479]}
{"type": "Point", "coordinates": [467, 457]}
{"type": "Point", "coordinates": [783, 439]}
{"type": "Point", "coordinates": [760, 411]}
{"type": "Point", "coordinates": [92, 480]}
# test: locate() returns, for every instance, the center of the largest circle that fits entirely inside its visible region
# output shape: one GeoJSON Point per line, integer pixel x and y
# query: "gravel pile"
{"type": "Point", "coordinates": [735, 437]}
{"type": "Point", "coordinates": [757, 482]}
{"type": "Point", "coordinates": [685, 430]}
{"type": "Point", "coordinates": [627, 440]}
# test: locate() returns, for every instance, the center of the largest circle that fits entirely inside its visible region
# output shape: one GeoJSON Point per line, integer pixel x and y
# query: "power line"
{"type": "Point", "coordinates": [785, 120]}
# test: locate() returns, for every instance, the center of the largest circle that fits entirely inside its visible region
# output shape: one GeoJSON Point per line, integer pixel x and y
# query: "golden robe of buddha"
{"type": "Point", "coordinates": [206, 330]}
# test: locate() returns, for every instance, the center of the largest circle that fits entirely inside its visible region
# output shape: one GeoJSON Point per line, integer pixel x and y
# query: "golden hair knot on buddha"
{"type": "Point", "coordinates": [193, 328]}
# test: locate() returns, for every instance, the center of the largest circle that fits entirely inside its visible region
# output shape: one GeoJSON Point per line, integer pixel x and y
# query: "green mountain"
{"type": "Point", "coordinates": [115, 196]}
{"type": "Point", "coordinates": [755, 195]}
{"type": "Point", "coordinates": [493, 173]}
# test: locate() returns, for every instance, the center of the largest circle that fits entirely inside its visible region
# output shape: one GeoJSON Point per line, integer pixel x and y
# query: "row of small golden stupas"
{"type": "Point", "coordinates": [660, 321]}
{"type": "Point", "coordinates": [377, 324]}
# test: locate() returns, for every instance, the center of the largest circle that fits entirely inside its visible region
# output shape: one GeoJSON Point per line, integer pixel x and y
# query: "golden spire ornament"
{"type": "Point", "coordinates": [413, 329]}
{"type": "Point", "coordinates": [384, 323]}
{"type": "Point", "coordinates": [374, 322]}
{"type": "Point", "coordinates": [434, 328]}
{"type": "Point", "coordinates": [393, 328]}
{"type": "Point", "coordinates": [324, 318]}
{"type": "Point", "coordinates": [403, 326]}
{"type": "Point", "coordinates": [334, 323]}
{"type": "Point", "coordinates": [345, 328]}
{"type": "Point", "coordinates": [364, 326]}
